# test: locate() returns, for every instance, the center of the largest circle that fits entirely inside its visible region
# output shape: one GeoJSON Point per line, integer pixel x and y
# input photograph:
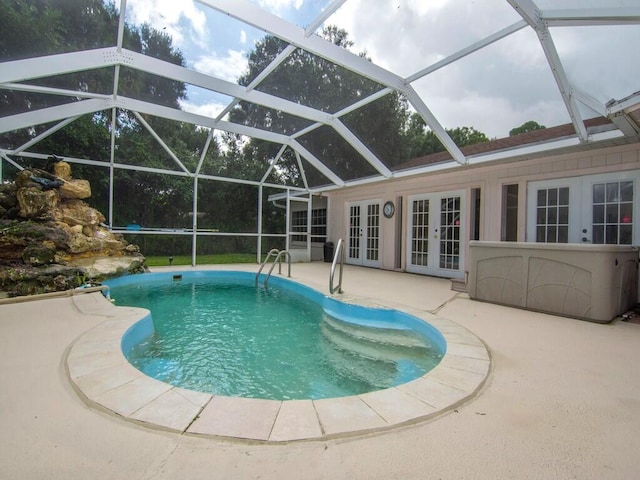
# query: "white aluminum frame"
{"type": "Point", "coordinates": [15, 74]}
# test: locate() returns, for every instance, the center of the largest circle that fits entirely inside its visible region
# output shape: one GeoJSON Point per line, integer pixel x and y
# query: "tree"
{"type": "Point", "coordinates": [309, 80]}
{"type": "Point", "coordinates": [526, 127]}
{"type": "Point", "coordinates": [422, 141]}
{"type": "Point", "coordinates": [40, 27]}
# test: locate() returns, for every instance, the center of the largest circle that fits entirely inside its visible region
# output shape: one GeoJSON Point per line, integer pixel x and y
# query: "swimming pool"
{"type": "Point", "coordinates": [215, 332]}
{"type": "Point", "coordinates": [103, 378]}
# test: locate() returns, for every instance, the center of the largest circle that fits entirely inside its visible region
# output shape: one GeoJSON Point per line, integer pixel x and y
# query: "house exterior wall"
{"type": "Point", "coordinates": [490, 179]}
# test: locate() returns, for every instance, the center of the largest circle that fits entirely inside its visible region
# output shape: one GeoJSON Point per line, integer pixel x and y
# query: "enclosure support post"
{"type": "Point", "coordinates": [114, 125]}
{"type": "Point", "coordinates": [287, 225]}
{"type": "Point", "coordinates": [194, 225]}
{"type": "Point", "coordinates": [309, 214]}
{"type": "Point", "coordinates": [260, 193]}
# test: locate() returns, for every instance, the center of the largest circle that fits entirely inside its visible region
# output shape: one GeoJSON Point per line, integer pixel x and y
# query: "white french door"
{"type": "Point", "coordinates": [436, 230]}
{"type": "Point", "coordinates": [598, 209]}
{"type": "Point", "coordinates": [363, 236]}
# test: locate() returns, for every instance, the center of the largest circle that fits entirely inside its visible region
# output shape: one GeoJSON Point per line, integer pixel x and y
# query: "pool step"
{"type": "Point", "coordinates": [378, 357]}
{"type": "Point", "coordinates": [376, 368]}
{"type": "Point", "coordinates": [380, 332]}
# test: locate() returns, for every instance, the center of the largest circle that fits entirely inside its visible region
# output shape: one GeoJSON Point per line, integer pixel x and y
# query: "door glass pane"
{"type": "Point", "coordinates": [542, 197]}
{"type": "Point", "coordinates": [598, 234]}
{"type": "Point", "coordinates": [552, 215]}
{"type": "Point", "coordinates": [626, 191]}
{"type": "Point", "coordinates": [563, 196]}
{"type": "Point", "coordinates": [598, 214]}
{"type": "Point", "coordinates": [563, 234]}
{"type": "Point", "coordinates": [598, 193]}
{"type": "Point", "coordinates": [611, 233]}
{"type": "Point", "coordinates": [373, 231]}
{"type": "Point", "coordinates": [354, 231]}
{"type": "Point", "coordinates": [420, 232]}
{"type": "Point", "coordinates": [625, 234]}
{"type": "Point", "coordinates": [563, 216]}
{"type": "Point", "coordinates": [612, 220]}
{"type": "Point", "coordinates": [450, 233]}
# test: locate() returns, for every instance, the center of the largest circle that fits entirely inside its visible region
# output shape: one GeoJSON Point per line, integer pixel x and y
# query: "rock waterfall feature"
{"type": "Point", "coordinates": [52, 240]}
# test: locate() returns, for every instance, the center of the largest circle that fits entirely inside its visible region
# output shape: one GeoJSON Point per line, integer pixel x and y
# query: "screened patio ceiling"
{"type": "Point", "coordinates": [600, 81]}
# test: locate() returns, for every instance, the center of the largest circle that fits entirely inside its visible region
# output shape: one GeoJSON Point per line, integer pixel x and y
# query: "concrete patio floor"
{"type": "Point", "coordinates": [562, 401]}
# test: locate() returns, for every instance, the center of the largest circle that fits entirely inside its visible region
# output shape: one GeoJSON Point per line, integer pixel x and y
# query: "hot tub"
{"type": "Point", "coordinates": [590, 282]}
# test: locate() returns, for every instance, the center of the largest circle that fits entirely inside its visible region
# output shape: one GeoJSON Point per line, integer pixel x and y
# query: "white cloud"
{"type": "Point", "coordinates": [211, 110]}
{"type": "Point", "coordinates": [493, 90]}
{"type": "Point", "coordinates": [171, 17]}
{"type": "Point", "coordinates": [278, 6]}
{"type": "Point", "coordinates": [229, 67]}
{"type": "Point", "coordinates": [500, 86]}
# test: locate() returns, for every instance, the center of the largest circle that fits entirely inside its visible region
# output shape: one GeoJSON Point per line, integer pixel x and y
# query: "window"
{"type": "Point", "coordinates": [475, 214]}
{"type": "Point", "coordinates": [510, 213]}
{"type": "Point", "coordinates": [613, 213]}
{"type": "Point", "coordinates": [318, 225]}
{"type": "Point", "coordinates": [552, 215]}
{"type": "Point", "coordinates": [299, 224]}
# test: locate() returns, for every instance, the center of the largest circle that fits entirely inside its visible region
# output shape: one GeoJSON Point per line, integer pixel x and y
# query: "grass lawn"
{"type": "Point", "coordinates": [163, 261]}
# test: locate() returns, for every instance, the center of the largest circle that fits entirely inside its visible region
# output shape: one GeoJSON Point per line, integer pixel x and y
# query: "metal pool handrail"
{"type": "Point", "coordinates": [339, 253]}
{"type": "Point", "coordinates": [274, 252]}
{"type": "Point", "coordinates": [279, 260]}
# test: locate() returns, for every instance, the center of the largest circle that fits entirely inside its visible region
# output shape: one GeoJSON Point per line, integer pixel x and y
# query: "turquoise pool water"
{"type": "Point", "coordinates": [216, 332]}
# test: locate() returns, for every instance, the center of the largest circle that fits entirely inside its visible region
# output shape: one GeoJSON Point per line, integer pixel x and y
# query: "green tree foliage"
{"type": "Point", "coordinates": [315, 82]}
{"type": "Point", "coordinates": [40, 27]}
{"type": "Point", "coordinates": [422, 141]}
{"type": "Point", "coordinates": [526, 127]}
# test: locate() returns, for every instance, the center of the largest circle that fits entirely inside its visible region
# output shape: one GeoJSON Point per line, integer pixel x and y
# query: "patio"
{"type": "Point", "coordinates": [561, 401]}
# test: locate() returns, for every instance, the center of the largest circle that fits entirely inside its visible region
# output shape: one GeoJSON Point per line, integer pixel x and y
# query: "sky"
{"type": "Point", "coordinates": [492, 90]}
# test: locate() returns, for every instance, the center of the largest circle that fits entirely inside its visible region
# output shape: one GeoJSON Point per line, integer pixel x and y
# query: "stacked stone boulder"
{"type": "Point", "coordinates": [52, 240]}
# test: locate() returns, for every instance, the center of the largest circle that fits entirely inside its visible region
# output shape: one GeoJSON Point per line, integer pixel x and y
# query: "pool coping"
{"type": "Point", "coordinates": [105, 380]}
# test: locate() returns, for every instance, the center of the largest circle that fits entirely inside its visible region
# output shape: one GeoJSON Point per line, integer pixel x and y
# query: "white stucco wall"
{"type": "Point", "coordinates": [490, 179]}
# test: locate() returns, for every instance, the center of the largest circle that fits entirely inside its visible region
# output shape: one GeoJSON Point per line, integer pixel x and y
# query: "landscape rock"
{"type": "Point", "coordinates": [51, 240]}
{"type": "Point", "coordinates": [35, 203]}
{"type": "Point", "coordinates": [76, 212]}
{"type": "Point", "coordinates": [62, 170]}
{"type": "Point", "coordinates": [75, 189]}
{"type": "Point", "coordinates": [98, 267]}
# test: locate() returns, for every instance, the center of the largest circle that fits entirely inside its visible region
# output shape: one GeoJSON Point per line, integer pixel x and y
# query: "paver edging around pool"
{"type": "Point", "coordinates": [101, 374]}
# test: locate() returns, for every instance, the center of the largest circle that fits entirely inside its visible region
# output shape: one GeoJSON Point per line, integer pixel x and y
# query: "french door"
{"type": "Point", "coordinates": [436, 232]}
{"type": "Point", "coordinates": [363, 236]}
{"type": "Point", "coordinates": [598, 209]}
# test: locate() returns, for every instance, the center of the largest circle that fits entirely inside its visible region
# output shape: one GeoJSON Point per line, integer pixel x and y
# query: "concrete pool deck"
{"type": "Point", "coordinates": [562, 401]}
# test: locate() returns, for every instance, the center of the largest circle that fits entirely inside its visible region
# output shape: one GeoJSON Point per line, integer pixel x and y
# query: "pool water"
{"type": "Point", "coordinates": [222, 335]}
